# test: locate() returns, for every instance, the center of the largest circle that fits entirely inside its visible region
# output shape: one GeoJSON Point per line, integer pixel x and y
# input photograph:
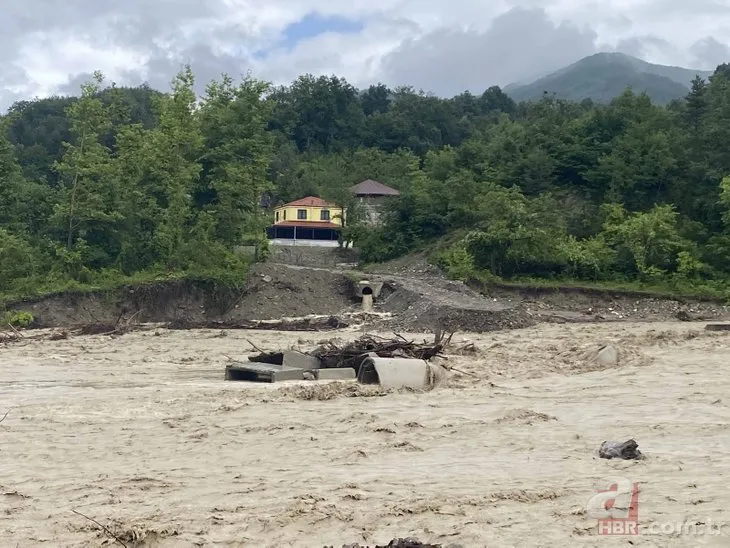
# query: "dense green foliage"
{"type": "Point", "coordinates": [131, 183]}
{"type": "Point", "coordinates": [123, 182]}
{"type": "Point", "coordinates": [604, 76]}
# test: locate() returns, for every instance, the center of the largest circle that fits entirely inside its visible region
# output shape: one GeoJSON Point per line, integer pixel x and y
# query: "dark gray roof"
{"type": "Point", "coordinates": [374, 188]}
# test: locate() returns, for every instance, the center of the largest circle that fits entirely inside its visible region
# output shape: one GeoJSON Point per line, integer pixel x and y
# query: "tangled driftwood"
{"type": "Point", "coordinates": [351, 354]}
{"type": "Point", "coordinates": [396, 543]}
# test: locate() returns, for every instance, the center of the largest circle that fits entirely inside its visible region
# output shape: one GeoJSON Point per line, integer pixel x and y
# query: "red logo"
{"type": "Point", "coordinates": [616, 508]}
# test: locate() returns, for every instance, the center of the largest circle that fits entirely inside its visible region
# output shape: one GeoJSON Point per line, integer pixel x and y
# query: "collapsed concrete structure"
{"type": "Point", "coordinates": [396, 363]}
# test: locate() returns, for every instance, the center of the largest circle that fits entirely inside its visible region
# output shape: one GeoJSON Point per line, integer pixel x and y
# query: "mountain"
{"type": "Point", "coordinates": [603, 76]}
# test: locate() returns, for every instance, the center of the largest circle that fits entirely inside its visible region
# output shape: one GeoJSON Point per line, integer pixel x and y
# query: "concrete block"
{"type": "Point", "coordinates": [607, 356]}
{"type": "Point", "coordinates": [335, 373]}
{"type": "Point", "coordinates": [300, 360]}
{"type": "Point", "coordinates": [263, 372]}
{"type": "Point", "coordinates": [288, 374]}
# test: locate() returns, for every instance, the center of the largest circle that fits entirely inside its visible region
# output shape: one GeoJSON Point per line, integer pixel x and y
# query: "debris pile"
{"type": "Point", "coordinates": [396, 543]}
{"type": "Point", "coordinates": [392, 363]}
{"type": "Point", "coordinates": [312, 322]}
{"type": "Point", "coordinates": [353, 353]}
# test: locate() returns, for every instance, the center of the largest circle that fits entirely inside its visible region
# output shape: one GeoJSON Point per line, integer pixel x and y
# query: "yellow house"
{"type": "Point", "coordinates": [311, 221]}
{"type": "Point", "coordinates": [311, 210]}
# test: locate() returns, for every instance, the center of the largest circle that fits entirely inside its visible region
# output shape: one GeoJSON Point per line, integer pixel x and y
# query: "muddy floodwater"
{"type": "Point", "coordinates": [141, 434]}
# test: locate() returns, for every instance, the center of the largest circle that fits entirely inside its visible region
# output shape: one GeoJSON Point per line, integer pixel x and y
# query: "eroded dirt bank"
{"type": "Point", "coordinates": [142, 434]}
{"type": "Point", "coordinates": [270, 292]}
{"type": "Point", "coordinates": [416, 299]}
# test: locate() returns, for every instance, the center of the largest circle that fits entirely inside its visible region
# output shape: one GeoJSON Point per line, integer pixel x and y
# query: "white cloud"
{"type": "Point", "coordinates": [437, 45]}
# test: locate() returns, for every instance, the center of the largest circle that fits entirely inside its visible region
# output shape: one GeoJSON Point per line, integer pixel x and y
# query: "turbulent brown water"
{"type": "Point", "coordinates": [142, 434]}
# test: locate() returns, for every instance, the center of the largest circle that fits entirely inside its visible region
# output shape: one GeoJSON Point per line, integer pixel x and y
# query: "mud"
{"type": "Point", "coordinates": [416, 298]}
{"type": "Point", "coordinates": [141, 434]}
{"type": "Point", "coordinates": [270, 292]}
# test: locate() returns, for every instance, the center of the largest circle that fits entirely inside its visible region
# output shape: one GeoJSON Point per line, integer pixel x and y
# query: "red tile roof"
{"type": "Point", "coordinates": [306, 224]}
{"type": "Point", "coordinates": [373, 188]}
{"type": "Point", "coordinates": [310, 201]}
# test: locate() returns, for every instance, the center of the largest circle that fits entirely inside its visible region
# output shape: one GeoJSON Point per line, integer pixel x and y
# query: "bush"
{"type": "Point", "coordinates": [17, 259]}
{"type": "Point", "coordinates": [457, 262]}
{"type": "Point", "coordinates": [17, 319]}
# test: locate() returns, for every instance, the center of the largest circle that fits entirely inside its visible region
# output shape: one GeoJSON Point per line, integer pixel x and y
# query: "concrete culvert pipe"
{"type": "Point", "coordinates": [367, 291]}
{"type": "Point", "coordinates": [401, 373]}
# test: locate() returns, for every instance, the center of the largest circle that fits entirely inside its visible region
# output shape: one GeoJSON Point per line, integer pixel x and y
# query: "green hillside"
{"type": "Point", "coordinates": [604, 76]}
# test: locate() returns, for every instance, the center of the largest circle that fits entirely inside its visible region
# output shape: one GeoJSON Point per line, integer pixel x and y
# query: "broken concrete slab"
{"type": "Point", "coordinates": [300, 360]}
{"type": "Point", "coordinates": [262, 372]}
{"type": "Point", "coordinates": [335, 373]}
{"type": "Point", "coordinates": [607, 356]}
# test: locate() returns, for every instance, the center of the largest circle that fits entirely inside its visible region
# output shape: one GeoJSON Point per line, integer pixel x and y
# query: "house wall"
{"type": "Point", "coordinates": [372, 206]}
{"type": "Point", "coordinates": [313, 256]}
{"type": "Point", "coordinates": [278, 242]}
{"type": "Point", "coordinates": [313, 214]}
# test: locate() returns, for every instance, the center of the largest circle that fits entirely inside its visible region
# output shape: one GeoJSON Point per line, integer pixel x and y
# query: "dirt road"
{"type": "Point", "coordinates": [141, 434]}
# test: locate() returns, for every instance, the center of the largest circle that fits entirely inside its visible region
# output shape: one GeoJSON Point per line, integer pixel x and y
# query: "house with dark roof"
{"type": "Point", "coordinates": [373, 189]}
{"type": "Point", "coordinates": [372, 195]}
{"type": "Point", "coordinates": [308, 221]}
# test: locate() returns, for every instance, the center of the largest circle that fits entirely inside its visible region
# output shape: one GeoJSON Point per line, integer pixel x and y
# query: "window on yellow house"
{"type": "Point", "coordinates": [324, 215]}
{"type": "Point", "coordinates": [302, 214]}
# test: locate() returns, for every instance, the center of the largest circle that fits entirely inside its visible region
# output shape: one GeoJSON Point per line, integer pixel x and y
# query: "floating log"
{"type": "Point", "coordinates": [718, 327]}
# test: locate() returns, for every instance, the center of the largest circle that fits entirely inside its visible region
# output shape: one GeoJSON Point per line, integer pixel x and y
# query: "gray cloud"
{"type": "Point", "coordinates": [161, 67]}
{"type": "Point", "coordinates": [134, 25]}
{"type": "Point", "coordinates": [423, 43]}
{"type": "Point", "coordinates": [641, 46]}
{"type": "Point", "coordinates": [521, 44]}
{"type": "Point", "coordinates": [207, 64]}
{"type": "Point", "coordinates": [710, 53]}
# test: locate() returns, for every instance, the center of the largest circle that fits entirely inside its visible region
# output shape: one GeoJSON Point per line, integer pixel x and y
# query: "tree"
{"type": "Point", "coordinates": [175, 150]}
{"type": "Point", "coordinates": [375, 100]}
{"type": "Point", "coordinates": [88, 206]}
{"type": "Point", "coordinates": [25, 205]}
{"type": "Point", "coordinates": [650, 238]}
{"type": "Point", "coordinates": [321, 113]}
{"type": "Point", "coordinates": [725, 199]}
{"type": "Point", "coordinates": [238, 153]}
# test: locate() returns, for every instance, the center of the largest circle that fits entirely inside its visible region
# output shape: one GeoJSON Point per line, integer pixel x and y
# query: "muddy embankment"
{"type": "Point", "coordinates": [422, 301]}
{"type": "Point", "coordinates": [270, 292]}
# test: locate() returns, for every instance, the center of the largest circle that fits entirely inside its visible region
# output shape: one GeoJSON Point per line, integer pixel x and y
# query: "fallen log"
{"type": "Point", "coordinates": [323, 323]}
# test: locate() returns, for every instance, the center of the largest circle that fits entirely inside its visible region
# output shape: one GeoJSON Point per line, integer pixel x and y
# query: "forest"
{"type": "Point", "coordinates": [123, 184]}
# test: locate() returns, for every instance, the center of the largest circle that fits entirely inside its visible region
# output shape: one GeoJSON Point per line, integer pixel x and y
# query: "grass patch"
{"type": "Point", "coordinates": [112, 280]}
{"type": "Point", "coordinates": [715, 291]}
{"type": "Point", "coordinates": [673, 287]}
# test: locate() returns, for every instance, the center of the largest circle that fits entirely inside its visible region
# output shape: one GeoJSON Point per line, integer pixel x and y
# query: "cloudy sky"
{"type": "Point", "coordinates": [442, 46]}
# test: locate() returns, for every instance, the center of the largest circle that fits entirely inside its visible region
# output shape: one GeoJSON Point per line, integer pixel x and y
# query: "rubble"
{"type": "Point", "coordinates": [717, 327]}
{"type": "Point", "coordinates": [305, 323]}
{"type": "Point", "coordinates": [628, 450]}
{"type": "Point", "coordinates": [393, 363]}
{"type": "Point", "coordinates": [408, 542]}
